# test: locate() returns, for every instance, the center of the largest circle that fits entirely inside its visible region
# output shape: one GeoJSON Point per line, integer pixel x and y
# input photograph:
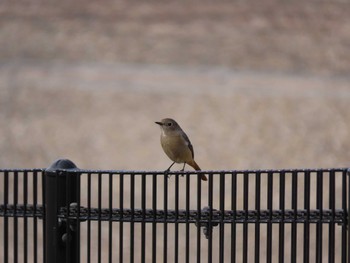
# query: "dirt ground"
{"type": "Point", "coordinates": [102, 116]}
{"type": "Point", "coordinates": [256, 85]}
{"type": "Point", "coordinates": [295, 36]}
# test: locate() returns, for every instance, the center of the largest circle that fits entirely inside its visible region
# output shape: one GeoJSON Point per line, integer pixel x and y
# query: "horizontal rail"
{"type": "Point", "coordinates": [18, 210]}
{"type": "Point", "coordinates": [182, 173]}
{"type": "Point", "coordinates": [182, 216]}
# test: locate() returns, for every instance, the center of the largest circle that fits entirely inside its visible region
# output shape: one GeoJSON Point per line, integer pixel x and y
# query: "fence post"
{"type": "Point", "coordinates": [348, 216]}
{"type": "Point", "coordinates": [60, 191]}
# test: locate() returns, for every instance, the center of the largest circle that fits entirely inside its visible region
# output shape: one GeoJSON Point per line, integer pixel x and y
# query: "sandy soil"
{"type": "Point", "coordinates": [99, 115]}
{"type": "Point", "coordinates": [294, 36]}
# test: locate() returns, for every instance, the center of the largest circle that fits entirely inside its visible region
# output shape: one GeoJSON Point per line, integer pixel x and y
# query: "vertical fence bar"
{"type": "Point", "coordinates": [245, 223]}
{"type": "Point", "coordinates": [199, 208]}
{"type": "Point", "coordinates": [15, 219]}
{"type": "Point", "coordinates": [222, 212]}
{"type": "Point", "coordinates": [331, 227]}
{"type": "Point", "coordinates": [77, 222]}
{"type": "Point", "coordinates": [234, 209]}
{"type": "Point", "coordinates": [143, 223]}
{"type": "Point", "coordinates": [165, 237]}
{"type": "Point", "coordinates": [67, 223]}
{"type": "Point", "coordinates": [99, 222]}
{"type": "Point", "coordinates": [6, 228]}
{"type": "Point", "coordinates": [25, 219]}
{"type": "Point", "coordinates": [281, 224]}
{"type": "Point", "coordinates": [306, 249]}
{"type": "Point", "coordinates": [348, 214]}
{"type": "Point", "coordinates": [35, 219]}
{"type": "Point", "coordinates": [154, 223]}
{"type": "Point", "coordinates": [319, 203]}
{"type": "Point", "coordinates": [294, 223]}
{"type": "Point", "coordinates": [188, 196]}
{"type": "Point", "coordinates": [210, 224]}
{"type": "Point", "coordinates": [269, 224]}
{"type": "Point", "coordinates": [257, 208]}
{"type": "Point", "coordinates": [132, 221]}
{"type": "Point", "coordinates": [88, 243]}
{"type": "Point", "coordinates": [121, 223]}
{"type": "Point", "coordinates": [344, 226]}
{"type": "Point", "coordinates": [110, 222]}
{"type": "Point", "coordinates": [176, 241]}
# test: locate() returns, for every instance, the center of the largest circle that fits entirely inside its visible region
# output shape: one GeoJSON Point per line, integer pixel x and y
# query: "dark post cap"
{"type": "Point", "coordinates": [61, 164]}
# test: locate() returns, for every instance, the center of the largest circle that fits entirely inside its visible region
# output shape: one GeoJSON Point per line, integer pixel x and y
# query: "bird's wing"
{"type": "Point", "coordinates": [189, 144]}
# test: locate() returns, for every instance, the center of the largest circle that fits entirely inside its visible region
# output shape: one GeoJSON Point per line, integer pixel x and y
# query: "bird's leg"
{"type": "Point", "coordinates": [167, 170]}
{"type": "Point", "coordinates": [183, 169]}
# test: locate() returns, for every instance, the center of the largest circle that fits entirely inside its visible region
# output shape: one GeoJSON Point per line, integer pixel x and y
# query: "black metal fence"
{"type": "Point", "coordinates": [65, 214]}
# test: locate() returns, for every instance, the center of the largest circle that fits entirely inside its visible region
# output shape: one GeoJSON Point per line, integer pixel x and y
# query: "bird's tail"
{"type": "Point", "coordinates": [197, 168]}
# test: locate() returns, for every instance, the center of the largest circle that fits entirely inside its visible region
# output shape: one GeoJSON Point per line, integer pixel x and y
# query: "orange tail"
{"type": "Point", "coordinates": [197, 168]}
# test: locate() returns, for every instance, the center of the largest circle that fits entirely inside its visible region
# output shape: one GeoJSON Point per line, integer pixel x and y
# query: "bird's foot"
{"type": "Point", "coordinates": [182, 175]}
{"type": "Point", "coordinates": [166, 172]}
{"type": "Point", "coordinates": [183, 169]}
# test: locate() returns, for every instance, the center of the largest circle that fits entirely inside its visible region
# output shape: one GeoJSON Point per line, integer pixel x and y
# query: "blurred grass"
{"type": "Point", "coordinates": [297, 36]}
{"type": "Point", "coordinates": [81, 116]}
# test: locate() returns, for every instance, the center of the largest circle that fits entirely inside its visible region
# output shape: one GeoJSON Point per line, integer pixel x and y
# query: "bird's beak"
{"type": "Point", "coordinates": [159, 123]}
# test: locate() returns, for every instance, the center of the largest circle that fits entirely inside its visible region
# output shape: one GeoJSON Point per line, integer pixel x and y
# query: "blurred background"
{"type": "Point", "coordinates": [255, 84]}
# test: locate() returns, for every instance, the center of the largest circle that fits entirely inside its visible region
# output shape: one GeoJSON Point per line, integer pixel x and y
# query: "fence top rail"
{"type": "Point", "coordinates": [138, 172]}
{"type": "Point", "coordinates": [21, 170]}
{"type": "Point", "coordinates": [155, 172]}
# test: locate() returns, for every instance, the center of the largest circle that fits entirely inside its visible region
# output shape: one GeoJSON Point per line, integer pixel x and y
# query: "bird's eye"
{"type": "Point", "coordinates": [169, 124]}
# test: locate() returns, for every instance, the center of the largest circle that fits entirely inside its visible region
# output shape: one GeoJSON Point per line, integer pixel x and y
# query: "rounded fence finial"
{"type": "Point", "coordinates": [62, 164]}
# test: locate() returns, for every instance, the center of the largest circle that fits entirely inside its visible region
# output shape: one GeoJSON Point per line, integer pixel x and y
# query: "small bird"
{"type": "Point", "coordinates": [176, 145]}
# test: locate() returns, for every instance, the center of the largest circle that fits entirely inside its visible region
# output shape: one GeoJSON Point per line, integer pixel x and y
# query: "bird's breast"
{"type": "Point", "coordinates": [176, 148]}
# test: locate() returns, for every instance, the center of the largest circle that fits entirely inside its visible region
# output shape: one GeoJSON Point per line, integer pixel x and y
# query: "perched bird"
{"type": "Point", "coordinates": [176, 145]}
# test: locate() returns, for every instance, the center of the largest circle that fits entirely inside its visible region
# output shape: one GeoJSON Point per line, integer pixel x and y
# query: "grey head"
{"type": "Point", "coordinates": [169, 125]}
